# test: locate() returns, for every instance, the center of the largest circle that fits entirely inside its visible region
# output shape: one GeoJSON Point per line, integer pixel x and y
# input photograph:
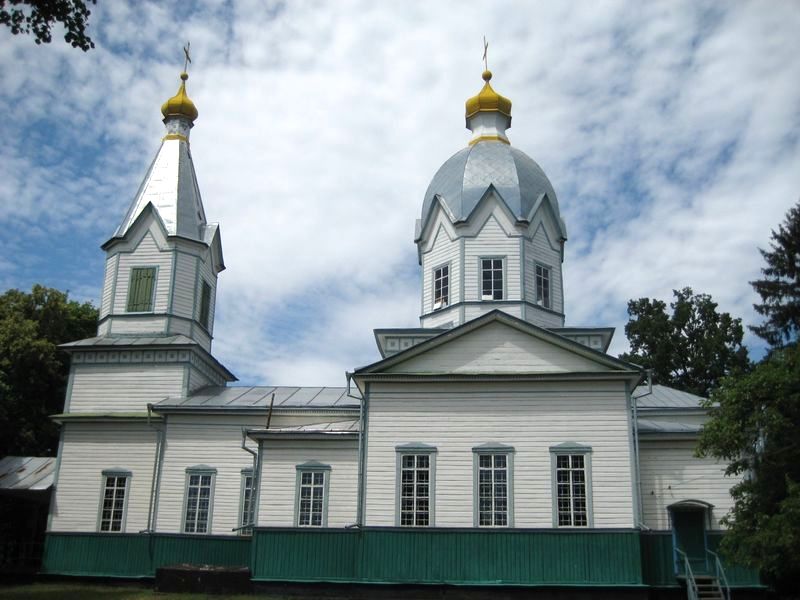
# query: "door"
{"type": "Point", "coordinates": [689, 534]}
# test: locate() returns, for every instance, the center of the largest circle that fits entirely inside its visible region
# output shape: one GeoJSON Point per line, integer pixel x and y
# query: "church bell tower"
{"type": "Point", "coordinates": [163, 261]}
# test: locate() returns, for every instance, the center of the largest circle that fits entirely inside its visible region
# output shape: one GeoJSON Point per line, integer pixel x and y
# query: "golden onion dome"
{"type": "Point", "coordinates": [180, 105]}
{"type": "Point", "coordinates": [488, 100]}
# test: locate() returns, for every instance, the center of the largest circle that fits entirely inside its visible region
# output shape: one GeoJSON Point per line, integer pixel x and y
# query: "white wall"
{"type": "Point", "coordinates": [670, 473]}
{"type": "Point", "coordinates": [278, 485]}
{"type": "Point", "coordinates": [183, 297]}
{"type": "Point", "coordinates": [108, 285]}
{"type": "Point", "coordinates": [216, 441]}
{"type": "Point", "coordinates": [531, 417]}
{"type": "Point", "coordinates": [497, 348]}
{"type": "Point", "coordinates": [123, 388]}
{"type": "Point", "coordinates": [443, 251]}
{"type": "Point", "coordinates": [492, 241]}
{"type": "Point", "coordinates": [88, 449]}
{"type": "Point", "coordinates": [146, 254]}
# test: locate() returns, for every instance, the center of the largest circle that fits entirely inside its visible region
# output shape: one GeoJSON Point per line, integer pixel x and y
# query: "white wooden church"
{"type": "Point", "coordinates": [493, 445]}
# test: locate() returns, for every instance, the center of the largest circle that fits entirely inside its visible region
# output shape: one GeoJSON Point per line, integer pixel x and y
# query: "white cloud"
{"type": "Point", "coordinates": [670, 132]}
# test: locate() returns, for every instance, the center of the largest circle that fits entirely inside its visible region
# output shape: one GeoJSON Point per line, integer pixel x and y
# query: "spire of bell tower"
{"type": "Point", "coordinates": [164, 258]}
{"type": "Point", "coordinates": [171, 183]}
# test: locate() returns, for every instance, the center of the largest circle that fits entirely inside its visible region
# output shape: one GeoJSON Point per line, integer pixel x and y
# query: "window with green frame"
{"type": "Point", "coordinates": [140, 290]}
{"type": "Point", "coordinates": [205, 304]}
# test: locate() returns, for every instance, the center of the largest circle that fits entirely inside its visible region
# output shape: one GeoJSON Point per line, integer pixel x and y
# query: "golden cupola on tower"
{"type": "Point", "coordinates": [487, 100]}
{"type": "Point", "coordinates": [488, 114]}
{"type": "Point", "coordinates": [180, 105]}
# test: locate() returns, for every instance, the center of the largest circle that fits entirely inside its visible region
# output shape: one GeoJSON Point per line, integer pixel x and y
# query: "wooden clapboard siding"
{"type": "Point", "coordinates": [278, 484]}
{"type": "Point", "coordinates": [183, 297]}
{"type": "Point", "coordinates": [207, 273]}
{"type": "Point", "coordinates": [443, 251]}
{"type": "Point", "coordinates": [531, 417]}
{"type": "Point", "coordinates": [90, 448]}
{"type": "Point", "coordinates": [146, 254]}
{"type": "Point", "coordinates": [202, 441]}
{"type": "Point", "coordinates": [670, 472]}
{"type": "Point", "coordinates": [491, 241]}
{"type": "Point", "coordinates": [497, 348]}
{"type": "Point", "coordinates": [542, 248]}
{"type": "Point", "coordinates": [108, 285]}
{"type": "Point", "coordinates": [123, 388]}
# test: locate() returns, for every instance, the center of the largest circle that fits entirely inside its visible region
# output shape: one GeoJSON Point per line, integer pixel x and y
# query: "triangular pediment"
{"type": "Point", "coordinates": [498, 343]}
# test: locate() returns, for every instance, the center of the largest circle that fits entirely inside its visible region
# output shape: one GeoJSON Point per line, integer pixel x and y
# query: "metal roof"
{"type": "Point", "coordinates": [350, 426]}
{"type": "Point", "coordinates": [121, 341]}
{"type": "Point", "coordinates": [19, 473]}
{"type": "Point", "coordinates": [241, 397]}
{"type": "Point", "coordinates": [649, 426]}
{"type": "Point", "coordinates": [170, 185]}
{"type": "Point", "coordinates": [666, 397]}
{"type": "Point", "coordinates": [462, 181]}
{"type": "Point", "coordinates": [133, 340]}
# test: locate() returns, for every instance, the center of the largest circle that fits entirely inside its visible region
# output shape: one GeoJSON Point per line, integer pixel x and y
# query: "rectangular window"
{"type": "Point", "coordinates": [572, 506]}
{"type": "Point", "coordinates": [415, 490]}
{"type": "Point", "coordinates": [246, 517]}
{"type": "Point", "coordinates": [543, 286]}
{"type": "Point", "coordinates": [311, 499]}
{"type": "Point", "coordinates": [199, 488]}
{"type": "Point", "coordinates": [493, 493]}
{"type": "Point", "coordinates": [112, 511]}
{"type": "Point", "coordinates": [205, 304]}
{"type": "Point", "coordinates": [140, 289]}
{"type": "Point", "coordinates": [491, 279]}
{"type": "Point", "coordinates": [441, 287]}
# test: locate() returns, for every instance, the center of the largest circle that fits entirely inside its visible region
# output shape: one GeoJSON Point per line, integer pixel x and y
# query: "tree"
{"type": "Point", "coordinates": [780, 287]}
{"type": "Point", "coordinates": [691, 349]}
{"type": "Point", "coordinates": [39, 16]}
{"type": "Point", "coordinates": [755, 419]}
{"type": "Point", "coordinates": [33, 372]}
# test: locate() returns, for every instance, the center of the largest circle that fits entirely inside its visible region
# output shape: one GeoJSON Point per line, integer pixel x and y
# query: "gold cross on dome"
{"type": "Point", "coordinates": [485, 52]}
{"type": "Point", "coordinates": [188, 60]}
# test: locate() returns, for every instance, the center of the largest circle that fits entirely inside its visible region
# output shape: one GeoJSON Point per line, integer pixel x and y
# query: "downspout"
{"type": "Point", "coordinates": [635, 408]}
{"type": "Point", "coordinates": [360, 496]}
{"type": "Point", "coordinates": [257, 466]}
{"type": "Point", "coordinates": [156, 479]}
{"type": "Point", "coordinates": [252, 497]}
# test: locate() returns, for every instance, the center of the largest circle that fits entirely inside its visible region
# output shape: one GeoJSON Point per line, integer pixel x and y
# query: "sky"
{"type": "Point", "coordinates": [669, 130]}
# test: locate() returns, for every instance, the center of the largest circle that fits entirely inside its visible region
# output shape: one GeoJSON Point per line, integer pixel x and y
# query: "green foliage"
{"type": "Point", "coordinates": [692, 348]}
{"type": "Point", "coordinates": [755, 420]}
{"type": "Point", "coordinates": [780, 287]}
{"type": "Point", "coordinates": [33, 372]}
{"type": "Point", "coordinates": [38, 17]}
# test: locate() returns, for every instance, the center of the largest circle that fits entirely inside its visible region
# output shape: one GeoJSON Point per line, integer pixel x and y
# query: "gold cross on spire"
{"type": "Point", "coordinates": [188, 59]}
{"type": "Point", "coordinates": [485, 52]}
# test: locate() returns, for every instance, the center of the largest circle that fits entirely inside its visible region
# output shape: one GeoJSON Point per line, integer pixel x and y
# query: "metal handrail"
{"type": "Point", "coordinates": [720, 573]}
{"type": "Point", "coordinates": [691, 584]}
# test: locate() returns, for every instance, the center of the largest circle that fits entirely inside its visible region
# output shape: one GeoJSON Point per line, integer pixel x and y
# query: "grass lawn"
{"type": "Point", "coordinates": [82, 591]}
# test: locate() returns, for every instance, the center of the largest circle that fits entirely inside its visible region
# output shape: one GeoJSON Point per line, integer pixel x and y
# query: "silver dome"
{"type": "Point", "coordinates": [464, 178]}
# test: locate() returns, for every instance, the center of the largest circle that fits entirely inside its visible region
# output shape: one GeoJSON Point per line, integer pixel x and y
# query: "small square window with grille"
{"type": "Point", "coordinates": [543, 286]}
{"type": "Point", "coordinates": [311, 501]}
{"type": "Point", "coordinates": [112, 512]}
{"type": "Point", "coordinates": [491, 279]}
{"type": "Point", "coordinates": [493, 490]}
{"type": "Point", "coordinates": [571, 490]}
{"type": "Point", "coordinates": [198, 503]}
{"type": "Point", "coordinates": [415, 490]}
{"type": "Point", "coordinates": [441, 287]}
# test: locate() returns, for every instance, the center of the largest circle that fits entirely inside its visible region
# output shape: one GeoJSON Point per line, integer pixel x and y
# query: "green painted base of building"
{"type": "Point", "coordinates": [599, 559]}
